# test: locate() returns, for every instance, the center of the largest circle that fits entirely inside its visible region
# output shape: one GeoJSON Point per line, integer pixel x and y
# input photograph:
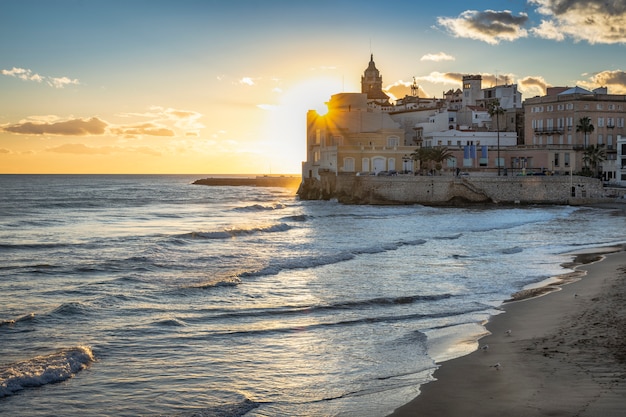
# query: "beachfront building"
{"type": "Point", "coordinates": [554, 138]}
{"type": "Point", "coordinates": [358, 135]}
{"type": "Point", "coordinates": [354, 138]}
{"type": "Point", "coordinates": [620, 178]}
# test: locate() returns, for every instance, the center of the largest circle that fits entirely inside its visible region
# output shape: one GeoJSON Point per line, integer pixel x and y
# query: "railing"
{"type": "Point", "coordinates": [549, 130]}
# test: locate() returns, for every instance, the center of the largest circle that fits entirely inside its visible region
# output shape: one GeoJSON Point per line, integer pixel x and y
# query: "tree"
{"type": "Point", "coordinates": [439, 154]}
{"type": "Point", "coordinates": [422, 155]}
{"type": "Point", "coordinates": [593, 157]}
{"type": "Point", "coordinates": [584, 125]}
{"type": "Point", "coordinates": [495, 110]}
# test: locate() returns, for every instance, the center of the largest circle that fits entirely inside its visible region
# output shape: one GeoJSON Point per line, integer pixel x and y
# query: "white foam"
{"type": "Point", "coordinates": [42, 370]}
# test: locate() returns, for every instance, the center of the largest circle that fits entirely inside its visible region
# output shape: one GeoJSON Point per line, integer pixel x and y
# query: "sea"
{"type": "Point", "coordinates": [147, 295]}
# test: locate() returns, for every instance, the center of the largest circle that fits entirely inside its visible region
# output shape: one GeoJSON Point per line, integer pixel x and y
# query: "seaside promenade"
{"type": "Point", "coordinates": [565, 354]}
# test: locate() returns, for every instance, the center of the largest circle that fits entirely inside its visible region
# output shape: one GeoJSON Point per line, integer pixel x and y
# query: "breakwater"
{"type": "Point", "coordinates": [447, 190]}
{"type": "Point", "coordinates": [260, 181]}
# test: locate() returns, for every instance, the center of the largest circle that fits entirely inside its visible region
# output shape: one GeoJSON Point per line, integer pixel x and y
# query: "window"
{"type": "Point", "coordinates": [598, 106]}
{"type": "Point", "coordinates": [570, 106]}
{"type": "Point", "coordinates": [348, 164]}
{"type": "Point", "coordinates": [610, 122]}
{"type": "Point", "coordinates": [566, 159]}
{"type": "Point", "coordinates": [600, 121]}
{"type": "Point", "coordinates": [556, 159]}
{"type": "Point", "coordinates": [611, 106]}
{"type": "Point", "coordinates": [600, 140]}
{"type": "Point", "coordinates": [393, 141]}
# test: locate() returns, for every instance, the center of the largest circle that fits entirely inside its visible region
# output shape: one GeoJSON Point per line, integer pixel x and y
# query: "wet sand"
{"type": "Point", "coordinates": [565, 354]}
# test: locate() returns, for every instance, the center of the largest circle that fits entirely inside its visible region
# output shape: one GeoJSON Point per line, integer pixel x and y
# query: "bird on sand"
{"type": "Point", "coordinates": [497, 366]}
{"type": "Point", "coordinates": [508, 332]}
{"type": "Point", "coordinates": [485, 348]}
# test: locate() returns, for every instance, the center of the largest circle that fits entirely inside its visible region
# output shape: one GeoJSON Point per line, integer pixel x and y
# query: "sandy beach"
{"type": "Point", "coordinates": [565, 354]}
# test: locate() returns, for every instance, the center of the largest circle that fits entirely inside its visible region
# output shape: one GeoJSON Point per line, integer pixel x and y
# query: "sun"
{"type": "Point", "coordinates": [312, 94]}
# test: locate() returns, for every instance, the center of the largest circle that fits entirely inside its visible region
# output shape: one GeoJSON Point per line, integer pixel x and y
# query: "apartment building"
{"type": "Point", "coordinates": [551, 127]}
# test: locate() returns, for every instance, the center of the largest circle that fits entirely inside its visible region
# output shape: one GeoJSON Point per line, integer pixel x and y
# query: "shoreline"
{"type": "Point", "coordinates": [565, 355]}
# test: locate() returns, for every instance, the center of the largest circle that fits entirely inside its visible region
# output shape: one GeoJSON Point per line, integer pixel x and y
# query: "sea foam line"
{"type": "Point", "coordinates": [42, 370]}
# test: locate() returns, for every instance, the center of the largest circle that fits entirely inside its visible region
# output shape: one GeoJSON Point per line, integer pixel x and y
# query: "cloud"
{"type": "Point", "coordinates": [401, 89]}
{"type": "Point", "coordinates": [438, 57]}
{"type": "Point", "coordinates": [533, 86]}
{"type": "Point", "coordinates": [28, 75]}
{"type": "Point", "coordinates": [593, 21]}
{"type": "Point", "coordinates": [82, 149]}
{"type": "Point", "coordinates": [3, 150]}
{"type": "Point", "coordinates": [60, 82]}
{"type": "Point", "coordinates": [615, 81]}
{"type": "Point", "coordinates": [23, 74]}
{"type": "Point", "coordinates": [442, 78]}
{"type": "Point", "coordinates": [150, 129]}
{"type": "Point", "coordinates": [488, 26]}
{"type": "Point", "coordinates": [74, 127]}
{"type": "Point", "coordinates": [187, 120]}
{"type": "Point", "coordinates": [246, 81]}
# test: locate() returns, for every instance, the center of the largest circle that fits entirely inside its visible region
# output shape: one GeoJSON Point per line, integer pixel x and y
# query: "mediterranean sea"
{"type": "Point", "coordinates": [126, 295]}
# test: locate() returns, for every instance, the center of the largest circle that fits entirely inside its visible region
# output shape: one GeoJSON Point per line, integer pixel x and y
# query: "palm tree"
{"type": "Point", "coordinates": [495, 110]}
{"type": "Point", "coordinates": [584, 125]}
{"type": "Point", "coordinates": [593, 156]}
{"type": "Point", "coordinates": [439, 154]}
{"type": "Point", "coordinates": [422, 155]}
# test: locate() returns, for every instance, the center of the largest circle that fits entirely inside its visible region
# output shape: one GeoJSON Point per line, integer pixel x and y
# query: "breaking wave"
{"type": "Point", "coordinates": [42, 370]}
{"type": "Point", "coordinates": [230, 233]}
{"type": "Point", "coordinates": [260, 207]}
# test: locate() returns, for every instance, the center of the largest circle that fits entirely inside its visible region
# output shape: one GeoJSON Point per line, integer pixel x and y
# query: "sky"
{"type": "Point", "coordinates": [223, 87]}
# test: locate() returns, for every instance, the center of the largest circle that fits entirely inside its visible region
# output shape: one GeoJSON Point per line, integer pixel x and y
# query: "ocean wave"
{"type": "Point", "coordinates": [11, 322]}
{"type": "Point", "coordinates": [392, 318]}
{"type": "Point", "coordinates": [42, 370]}
{"type": "Point", "coordinates": [296, 218]}
{"type": "Point", "coordinates": [70, 309]}
{"type": "Point", "coordinates": [260, 207]}
{"type": "Point", "coordinates": [342, 305]}
{"type": "Point", "coordinates": [510, 251]}
{"type": "Point", "coordinates": [172, 322]}
{"type": "Point", "coordinates": [237, 409]}
{"type": "Point", "coordinates": [314, 261]}
{"type": "Point", "coordinates": [215, 282]}
{"type": "Point", "coordinates": [230, 233]}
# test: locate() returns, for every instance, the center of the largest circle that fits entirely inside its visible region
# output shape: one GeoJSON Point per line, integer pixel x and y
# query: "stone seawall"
{"type": "Point", "coordinates": [445, 190]}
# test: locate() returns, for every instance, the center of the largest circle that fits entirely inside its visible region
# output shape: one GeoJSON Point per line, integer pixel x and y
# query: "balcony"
{"type": "Point", "coordinates": [549, 130]}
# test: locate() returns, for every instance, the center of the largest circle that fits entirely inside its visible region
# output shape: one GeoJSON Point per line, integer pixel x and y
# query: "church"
{"type": "Point", "coordinates": [357, 135]}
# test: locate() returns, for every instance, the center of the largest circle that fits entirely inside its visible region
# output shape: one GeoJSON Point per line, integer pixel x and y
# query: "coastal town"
{"type": "Point", "coordinates": [571, 140]}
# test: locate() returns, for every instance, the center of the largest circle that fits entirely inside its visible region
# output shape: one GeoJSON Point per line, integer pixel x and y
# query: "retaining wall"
{"type": "Point", "coordinates": [441, 190]}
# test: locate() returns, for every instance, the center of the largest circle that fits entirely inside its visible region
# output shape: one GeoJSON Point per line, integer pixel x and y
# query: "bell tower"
{"type": "Point", "coordinates": [372, 83]}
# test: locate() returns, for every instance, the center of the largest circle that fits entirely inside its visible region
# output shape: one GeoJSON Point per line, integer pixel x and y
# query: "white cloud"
{"type": "Point", "coordinates": [246, 81]}
{"type": "Point", "coordinates": [28, 75]}
{"type": "Point", "coordinates": [593, 21]}
{"type": "Point", "coordinates": [438, 57]}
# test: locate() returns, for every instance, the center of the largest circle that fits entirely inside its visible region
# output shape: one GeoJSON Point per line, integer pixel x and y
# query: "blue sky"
{"type": "Point", "coordinates": [223, 86]}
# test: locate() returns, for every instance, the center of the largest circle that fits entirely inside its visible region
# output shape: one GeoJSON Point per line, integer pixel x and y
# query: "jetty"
{"type": "Point", "coordinates": [283, 181]}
